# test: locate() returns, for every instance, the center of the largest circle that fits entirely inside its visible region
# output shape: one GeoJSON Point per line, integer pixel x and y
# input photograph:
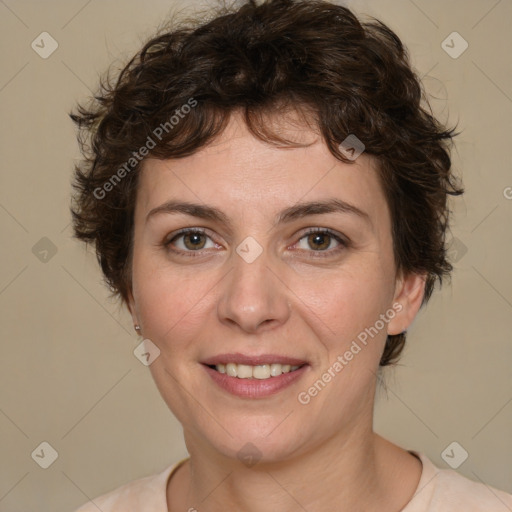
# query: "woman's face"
{"type": "Point", "coordinates": [264, 280]}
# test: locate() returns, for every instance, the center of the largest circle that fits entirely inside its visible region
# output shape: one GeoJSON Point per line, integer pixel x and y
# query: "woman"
{"type": "Point", "coordinates": [267, 193]}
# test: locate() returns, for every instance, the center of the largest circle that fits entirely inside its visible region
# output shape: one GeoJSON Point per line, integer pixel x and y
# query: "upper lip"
{"type": "Point", "coordinates": [254, 360]}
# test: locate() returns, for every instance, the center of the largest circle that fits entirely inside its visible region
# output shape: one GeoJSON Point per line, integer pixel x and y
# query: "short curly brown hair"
{"type": "Point", "coordinates": [351, 77]}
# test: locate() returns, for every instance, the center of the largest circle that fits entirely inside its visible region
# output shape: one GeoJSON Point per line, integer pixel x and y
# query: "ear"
{"type": "Point", "coordinates": [409, 291]}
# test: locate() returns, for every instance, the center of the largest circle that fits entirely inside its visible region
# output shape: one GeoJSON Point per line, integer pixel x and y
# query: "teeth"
{"type": "Point", "coordinates": [232, 369]}
{"type": "Point", "coordinates": [244, 371]}
{"type": "Point", "coordinates": [275, 370]}
{"type": "Point", "coordinates": [262, 371]}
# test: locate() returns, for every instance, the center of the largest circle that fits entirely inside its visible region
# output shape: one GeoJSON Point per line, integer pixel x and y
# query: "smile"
{"type": "Point", "coordinates": [254, 376]}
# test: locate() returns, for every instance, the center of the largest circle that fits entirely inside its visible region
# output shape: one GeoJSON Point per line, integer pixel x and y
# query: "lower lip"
{"type": "Point", "coordinates": [255, 388]}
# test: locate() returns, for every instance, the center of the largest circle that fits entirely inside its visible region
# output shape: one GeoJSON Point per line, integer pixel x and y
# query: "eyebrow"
{"type": "Point", "coordinates": [290, 214]}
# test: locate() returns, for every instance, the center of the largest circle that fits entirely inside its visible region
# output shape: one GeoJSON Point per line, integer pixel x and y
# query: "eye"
{"type": "Point", "coordinates": [190, 240]}
{"type": "Point", "coordinates": [321, 240]}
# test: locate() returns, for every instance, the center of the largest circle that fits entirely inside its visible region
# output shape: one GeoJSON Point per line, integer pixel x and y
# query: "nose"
{"type": "Point", "coordinates": [253, 297]}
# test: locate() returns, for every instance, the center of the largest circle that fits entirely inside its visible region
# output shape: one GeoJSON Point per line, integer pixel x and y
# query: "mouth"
{"type": "Point", "coordinates": [254, 376]}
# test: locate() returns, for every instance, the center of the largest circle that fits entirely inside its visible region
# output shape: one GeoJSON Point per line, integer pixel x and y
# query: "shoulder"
{"type": "Point", "coordinates": [445, 490]}
{"type": "Point", "coordinates": [460, 493]}
{"type": "Point", "coordinates": [143, 494]}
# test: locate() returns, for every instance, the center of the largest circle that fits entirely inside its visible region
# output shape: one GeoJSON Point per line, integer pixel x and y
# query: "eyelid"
{"type": "Point", "coordinates": [329, 231]}
{"type": "Point", "coordinates": [175, 234]}
{"type": "Point", "coordinates": [185, 231]}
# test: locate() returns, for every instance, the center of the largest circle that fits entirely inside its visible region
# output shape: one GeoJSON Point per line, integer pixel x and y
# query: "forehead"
{"type": "Point", "coordinates": [239, 173]}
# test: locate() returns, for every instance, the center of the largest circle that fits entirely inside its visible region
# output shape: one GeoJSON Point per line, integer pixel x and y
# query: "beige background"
{"type": "Point", "coordinates": [68, 375]}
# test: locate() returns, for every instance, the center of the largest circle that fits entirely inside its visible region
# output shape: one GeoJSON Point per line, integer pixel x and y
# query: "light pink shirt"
{"type": "Point", "coordinates": [439, 490]}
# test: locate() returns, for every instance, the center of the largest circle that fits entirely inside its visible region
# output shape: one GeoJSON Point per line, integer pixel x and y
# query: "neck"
{"type": "Point", "coordinates": [357, 471]}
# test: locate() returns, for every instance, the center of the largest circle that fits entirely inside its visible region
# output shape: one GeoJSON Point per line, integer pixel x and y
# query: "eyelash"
{"type": "Point", "coordinates": [343, 243]}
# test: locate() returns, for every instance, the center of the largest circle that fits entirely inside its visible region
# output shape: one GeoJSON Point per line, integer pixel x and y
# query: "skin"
{"type": "Point", "coordinates": [289, 301]}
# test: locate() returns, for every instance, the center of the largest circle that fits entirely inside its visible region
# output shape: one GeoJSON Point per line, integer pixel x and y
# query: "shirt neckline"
{"type": "Point", "coordinates": [428, 473]}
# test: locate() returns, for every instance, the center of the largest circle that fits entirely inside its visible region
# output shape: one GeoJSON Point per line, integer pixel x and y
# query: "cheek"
{"type": "Point", "coordinates": [344, 310]}
{"type": "Point", "coordinates": [172, 310]}
{"type": "Point", "coordinates": [170, 304]}
{"type": "Point", "coordinates": [345, 301]}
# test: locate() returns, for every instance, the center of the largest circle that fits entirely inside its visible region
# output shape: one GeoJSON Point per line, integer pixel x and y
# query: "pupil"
{"type": "Point", "coordinates": [194, 240]}
{"type": "Point", "coordinates": [320, 240]}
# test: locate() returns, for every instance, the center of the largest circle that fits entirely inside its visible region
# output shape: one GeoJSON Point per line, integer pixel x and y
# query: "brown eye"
{"type": "Point", "coordinates": [319, 241]}
{"type": "Point", "coordinates": [322, 240]}
{"type": "Point", "coordinates": [192, 240]}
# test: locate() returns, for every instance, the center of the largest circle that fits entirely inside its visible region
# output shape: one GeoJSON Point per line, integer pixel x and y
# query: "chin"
{"type": "Point", "coordinates": [259, 441]}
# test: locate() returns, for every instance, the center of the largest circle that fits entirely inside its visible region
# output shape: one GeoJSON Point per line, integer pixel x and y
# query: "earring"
{"type": "Point", "coordinates": [137, 328]}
